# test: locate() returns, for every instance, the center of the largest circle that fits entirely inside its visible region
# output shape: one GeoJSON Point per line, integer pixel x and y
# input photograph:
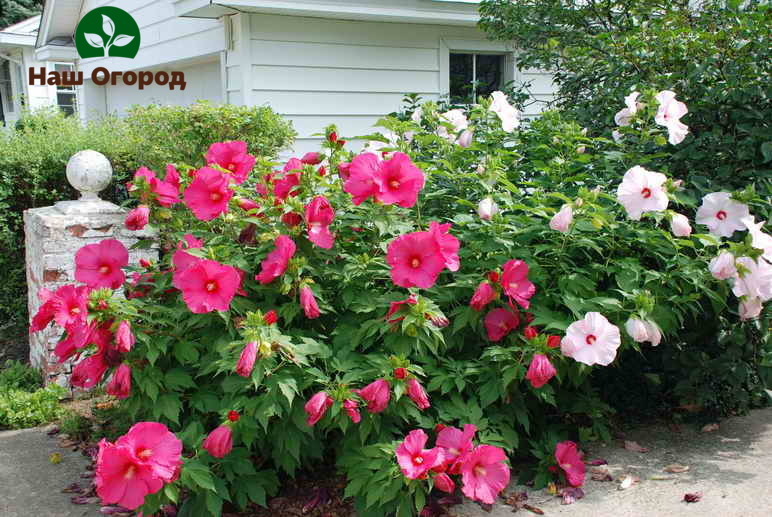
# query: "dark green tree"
{"type": "Point", "coordinates": [14, 11]}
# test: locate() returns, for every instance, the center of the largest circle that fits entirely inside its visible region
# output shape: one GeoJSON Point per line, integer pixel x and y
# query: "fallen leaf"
{"type": "Point", "coordinates": [660, 477]}
{"type": "Point", "coordinates": [533, 509]}
{"type": "Point", "coordinates": [597, 462]}
{"type": "Point", "coordinates": [675, 468]}
{"type": "Point", "coordinates": [55, 458]}
{"type": "Point", "coordinates": [600, 474]}
{"type": "Point", "coordinates": [709, 428]}
{"type": "Point", "coordinates": [693, 498]}
{"type": "Point", "coordinates": [634, 447]}
{"type": "Point", "coordinates": [552, 489]}
{"type": "Point", "coordinates": [571, 494]}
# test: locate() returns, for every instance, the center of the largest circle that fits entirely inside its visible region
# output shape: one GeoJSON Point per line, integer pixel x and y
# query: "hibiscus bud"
{"type": "Point", "coordinates": [553, 341]}
{"type": "Point", "coordinates": [493, 277]}
{"type": "Point", "coordinates": [247, 204]}
{"type": "Point", "coordinates": [483, 295]}
{"type": "Point", "coordinates": [219, 443]}
{"type": "Point", "coordinates": [637, 330]}
{"type": "Point", "coordinates": [317, 406]}
{"type": "Point", "coordinates": [124, 339]}
{"type": "Point", "coordinates": [247, 360]}
{"type": "Point", "coordinates": [377, 395]}
{"type": "Point", "coordinates": [487, 208]}
{"type": "Point", "coordinates": [750, 309]}
{"type": "Point", "coordinates": [270, 317]}
{"type": "Point", "coordinates": [578, 202]}
{"type": "Point", "coordinates": [322, 171]}
{"type": "Point", "coordinates": [137, 218]}
{"type": "Point", "coordinates": [580, 149]}
{"type": "Point", "coordinates": [145, 263]}
{"type": "Point", "coordinates": [653, 332]}
{"type": "Point", "coordinates": [540, 371]}
{"type": "Point", "coordinates": [120, 384]}
{"type": "Point", "coordinates": [679, 225]}
{"type": "Point", "coordinates": [444, 483]}
{"type": "Point", "coordinates": [312, 158]}
{"type": "Point", "coordinates": [332, 137]}
{"type": "Point", "coordinates": [308, 302]}
{"type": "Point", "coordinates": [291, 219]}
{"type": "Point", "coordinates": [678, 184]}
{"type": "Point", "coordinates": [529, 317]}
{"type": "Point", "coordinates": [233, 416]}
{"type": "Point", "coordinates": [417, 394]}
{"type": "Point", "coordinates": [465, 140]}
{"type": "Point", "coordinates": [723, 266]}
{"type": "Point", "coordinates": [400, 373]}
{"type": "Point", "coordinates": [561, 221]}
{"type": "Point", "coordinates": [530, 333]}
{"type": "Point", "coordinates": [439, 427]}
{"type": "Point", "coordinates": [438, 320]}
{"type": "Point", "coordinates": [102, 305]}
{"type": "Point", "coordinates": [352, 410]}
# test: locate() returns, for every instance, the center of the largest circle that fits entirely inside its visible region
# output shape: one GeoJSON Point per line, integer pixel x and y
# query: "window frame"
{"type": "Point", "coordinates": [67, 89]}
{"type": "Point", "coordinates": [475, 47]}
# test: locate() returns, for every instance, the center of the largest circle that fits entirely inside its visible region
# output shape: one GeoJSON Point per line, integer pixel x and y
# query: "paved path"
{"type": "Point", "coordinates": [732, 467]}
{"type": "Point", "coordinates": [30, 485]}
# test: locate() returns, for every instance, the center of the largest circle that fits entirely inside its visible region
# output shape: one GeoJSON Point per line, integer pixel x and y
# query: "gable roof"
{"type": "Point", "coordinates": [21, 34]}
{"type": "Point", "coordinates": [58, 22]}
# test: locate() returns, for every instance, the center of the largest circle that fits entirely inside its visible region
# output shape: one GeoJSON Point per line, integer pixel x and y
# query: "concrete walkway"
{"type": "Point", "coordinates": [731, 466]}
{"type": "Point", "coordinates": [30, 485]}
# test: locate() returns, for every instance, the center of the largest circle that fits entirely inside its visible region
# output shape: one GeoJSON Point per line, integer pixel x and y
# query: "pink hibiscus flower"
{"type": "Point", "coordinates": [500, 322]}
{"type": "Point", "coordinates": [181, 259]}
{"type": "Point", "coordinates": [155, 446]}
{"type": "Point", "coordinates": [570, 461]}
{"type": "Point", "coordinates": [319, 216]}
{"type": "Point", "coordinates": [360, 180]}
{"type": "Point", "coordinates": [317, 406]}
{"type": "Point", "coordinates": [415, 259]}
{"type": "Point", "coordinates": [99, 265]}
{"type": "Point", "coordinates": [447, 244]}
{"type": "Point", "coordinates": [540, 371]}
{"type": "Point", "coordinates": [509, 116]}
{"type": "Point", "coordinates": [443, 482]}
{"type": "Point", "coordinates": [308, 303]}
{"type": "Point", "coordinates": [669, 115]}
{"type": "Point", "coordinates": [352, 410]}
{"type": "Point", "coordinates": [642, 191]}
{"type": "Point", "coordinates": [89, 371]}
{"type": "Point", "coordinates": [275, 264]}
{"type": "Point", "coordinates": [455, 442]}
{"type": "Point", "coordinates": [484, 474]}
{"type": "Point", "coordinates": [483, 295]}
{"type": "Point", "coordinates": [124, 338]}
{"type": "Point", "coordinates": [514, 281]}
{"type": "Point", "coordinates": [137, 218]}
{"type": "Point", "coordinates": [417, 394]}
{"type": "Point", "coordinates": [561, 221]}
{"type": "Point", "coordinates": [208, 286]}
{"type": "Point", "coordinates": [399, 181]}
{"type": "Point", "coordinates": [121, 478]}
{"type": "Point", "coordinates": [312, 158]}
{"type": "Point", "coordinates": [754, 279]}
{"type": "Point", "coordinates": [377, 395]}
{"type": "Point", "coordinates": [247, 359]}
{"type": "Point", "coordinates": [723, 266]}
{"type": "Point", "coordinates": [592, 340]}
{"type": "Point", "coordinates": [219, 443]}
{"type": "Point", "coordinates": [120, 384]}
{"type": "Point", "coordinates": [396, 306]}
{"type": "Point", "coordinates": [233, 157]}
{"type": "Point", "coordinates": [70, 305]}
{"type": "Point", "coordinates": [285, 186]}
{"type": "Point", "coordinates": [166, 192]}
{"type": "Point", "coordinates": [415, 461]}
{"type": "Point", "coordinates": [208, 195]}
{"type": "Point", "coordinates": [721, 214]}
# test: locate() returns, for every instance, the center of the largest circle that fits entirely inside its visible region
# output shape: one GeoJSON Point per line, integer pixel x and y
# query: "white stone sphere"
{"type": "Point", "coordinates": [89, 172]}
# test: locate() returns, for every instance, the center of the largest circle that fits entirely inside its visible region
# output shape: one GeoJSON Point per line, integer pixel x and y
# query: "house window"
{"type": "Point", "coordinates": [66, 96]}
{"type": "Point", "coordinates": [473, 75]}
{"type": "Point", "coordinates": [6, 87]}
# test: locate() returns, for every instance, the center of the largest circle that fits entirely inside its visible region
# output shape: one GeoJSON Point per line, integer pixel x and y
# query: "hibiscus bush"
{"type": "Point", "coordinates": [412, 313]}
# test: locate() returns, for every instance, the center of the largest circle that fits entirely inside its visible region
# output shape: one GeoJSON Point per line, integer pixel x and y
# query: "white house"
{"type": "Point", "coordinates": [316, 62]}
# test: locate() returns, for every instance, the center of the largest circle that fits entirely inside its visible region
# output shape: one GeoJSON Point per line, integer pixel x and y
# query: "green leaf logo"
{"type": "Point", "coordinates": [107, 32]}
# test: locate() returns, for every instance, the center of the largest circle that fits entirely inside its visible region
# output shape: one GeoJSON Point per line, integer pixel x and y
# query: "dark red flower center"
{"type": "Point", "coordinates": [231, 167]}
{"type": "Point", "coordinates": [721, 215]}
{"type": "Point", "coordinates": [591, 339]}
{"type": "Point", "coordinates": [415, 262]}
{"type": "Point", "coordinates": [215, 196]}
{"type": "Point", "coordinates": [646, 193]}
{"type": "Point", "coordinates": [211, 286]}
{"type": "Point", "coordinates": [418, 460]}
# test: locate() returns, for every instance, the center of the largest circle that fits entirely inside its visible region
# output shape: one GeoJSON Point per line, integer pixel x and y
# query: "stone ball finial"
{"type": "Point", "coordinates": [89, 172]}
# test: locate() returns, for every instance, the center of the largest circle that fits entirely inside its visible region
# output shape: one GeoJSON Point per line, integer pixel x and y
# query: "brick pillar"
{"type": "Point", "coordinates": [52, 237]}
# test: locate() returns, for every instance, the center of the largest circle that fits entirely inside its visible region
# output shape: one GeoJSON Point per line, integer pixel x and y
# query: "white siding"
{"type": "Point", "coordinates": [321, 71]}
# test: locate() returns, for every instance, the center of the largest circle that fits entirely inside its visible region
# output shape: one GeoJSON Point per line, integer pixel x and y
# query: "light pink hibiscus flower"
{"type": "Point", "coordinates": [669, 115]}
{"type": "Point", "coordinates": [592, 340]}
{"type": "Point", "coordinates": [721, 214]}
{"type": "Point", "coordinates": [642, 191]}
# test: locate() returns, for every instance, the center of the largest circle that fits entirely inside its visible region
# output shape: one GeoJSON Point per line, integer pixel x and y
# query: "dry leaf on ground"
{"type": "Point", "coordinates": [675, 468]}
{"type": "Point", "coordinates": [600, 474]}
{"type": "Point", "coordinates": [693, 498]}
{"type": "Point", "coordinates": [634, 446]}
{"type": "Point", "coordinates": [709, 428]}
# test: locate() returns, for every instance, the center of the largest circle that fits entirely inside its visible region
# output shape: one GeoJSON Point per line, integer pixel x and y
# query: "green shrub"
{"type": "Point", "coordinates": [75, 425]}
{"type": "Point", "coordinates": [16, 375]}
{"type": "Point", "coordinates": [181, 134]}
{"type": "Point", "coordinates": [33, 157]}
{"type": "Point", "coordinates": [20, 409]}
